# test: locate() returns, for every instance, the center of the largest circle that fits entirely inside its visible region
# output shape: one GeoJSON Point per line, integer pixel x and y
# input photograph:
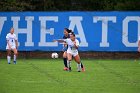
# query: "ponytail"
{"type": "Point", "coordinates": [68, 30]}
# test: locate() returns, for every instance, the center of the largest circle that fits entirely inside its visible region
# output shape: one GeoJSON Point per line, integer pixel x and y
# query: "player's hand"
{"type": "Point", "coordinates": [9, 47]}
{"type": "Point", "coordinates": [65, 44]}
{"type": "Point", "coordinates": [74, 43]}
{"type": "Point", "coordinates": [16, 47]}
{"type": "Point", "coordinates": [138, 49]}
{"type": "Point", "coordinates": [54, 40]}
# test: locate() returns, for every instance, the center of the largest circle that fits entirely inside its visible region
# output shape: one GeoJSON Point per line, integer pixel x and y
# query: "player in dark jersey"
{"type": "Point", "coordinates": [66, 35]}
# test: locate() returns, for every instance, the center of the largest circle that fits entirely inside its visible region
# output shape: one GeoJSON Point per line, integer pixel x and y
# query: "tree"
{"type": "Point", "coordinates": [69, 5]}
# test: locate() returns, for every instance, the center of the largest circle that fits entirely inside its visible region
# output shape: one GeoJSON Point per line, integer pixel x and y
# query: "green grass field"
{"type": "Point", "coordinates": [47, 76]}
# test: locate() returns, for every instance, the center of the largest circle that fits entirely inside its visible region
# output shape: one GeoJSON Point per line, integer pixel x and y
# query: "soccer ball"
{"type": "Point", "coordinates": [54, 55]}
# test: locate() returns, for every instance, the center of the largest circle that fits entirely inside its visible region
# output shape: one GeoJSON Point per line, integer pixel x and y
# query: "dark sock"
{"type": "Point", "coordinates": [65, 62]}
{"type": "Point", "coordinates": [82, 65]}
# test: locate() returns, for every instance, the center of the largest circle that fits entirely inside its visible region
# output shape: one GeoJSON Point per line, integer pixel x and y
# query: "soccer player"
{"type": "Point", "coordinates": [72, 51]}
{"type": "Point", "coordinates": [12, 45]}
{"type": "Point", "coordinates": [66, 36]}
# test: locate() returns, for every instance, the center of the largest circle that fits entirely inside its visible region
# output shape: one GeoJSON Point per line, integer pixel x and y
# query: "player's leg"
{"type": "Point", "coordinates": [8, 56]}
{"type": "Point", "coordinates": [69, 58]}
{"type": "Point", "coordinates": [82, 66]}
{"type": "Point", "coordinates": [77, 59]}
{"type": "Point", "coordinates": [15, 54]}
{"type": "Point", "coordinates": [65, 60]}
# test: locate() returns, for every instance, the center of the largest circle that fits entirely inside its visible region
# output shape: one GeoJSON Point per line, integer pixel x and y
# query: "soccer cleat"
{"type": "Point", "coordinates": [79, 71]}
{"type": "Point", "coordinates": [9, 63]}
{"type": "Point", "coordinates": [65, 68]}
{"type": "Point", "coordinates": [83, 69]}
{"type": "Point", "coordinates": [15, 62]}
{"type": "Point", "coordinates": [69, 69]}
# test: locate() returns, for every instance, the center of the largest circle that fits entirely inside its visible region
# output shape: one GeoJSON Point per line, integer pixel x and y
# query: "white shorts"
{"type": "Point", "coordinates": [12, 47]}
{"type": "Point", "coordinates": [73, 53]}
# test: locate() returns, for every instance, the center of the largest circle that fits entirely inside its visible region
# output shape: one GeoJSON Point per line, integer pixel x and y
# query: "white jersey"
{"type": "Point", "coordinates": [139, 37]}
{"type": "Point", "coordinates": [71, 48]}
{"type": "Point", "coordinates": [11, 38]}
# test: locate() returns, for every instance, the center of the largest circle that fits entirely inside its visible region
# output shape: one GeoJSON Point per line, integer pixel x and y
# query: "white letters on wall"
{"type": "Point", "coordinates": [76, 22]}
{"type": "Point", "coordinates": [104, 20]}
{"type": "Point", "coordinates": [47, 25]}
{"type": "Point", "coordinates": [2, 20]}
{"type": "Point", "coordinates": [27, 31]}
{"type": "Point", "coordinates": [125, 30]}
{"type": "Point", "coordinates": [44, 31]}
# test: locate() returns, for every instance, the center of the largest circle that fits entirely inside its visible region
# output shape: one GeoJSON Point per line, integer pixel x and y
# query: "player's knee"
{"type": "Point", "coordinates": [69, 59]}
{"type": "Point", "coordinates": [78, 62]}
{"type": "Point", "coordinates": [64, 56]}
{"type": "Point", "coordinates": [8, 54]}
{"type": "Point", "coordinates": [16, 53]}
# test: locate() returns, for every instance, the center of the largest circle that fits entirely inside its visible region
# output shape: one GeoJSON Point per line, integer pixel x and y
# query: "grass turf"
{"type": "Point", "coordinates": [47, 76]}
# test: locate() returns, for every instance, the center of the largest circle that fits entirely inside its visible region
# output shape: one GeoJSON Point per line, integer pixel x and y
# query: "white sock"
{"type": "Point", "coordinates": [8, 59]}
{"type": "Point", "coordinates": [79, 67]}
{"type": "Point", "coordinates": [68, 64]}
{"type": "Point", "coordinates": [15, 57]}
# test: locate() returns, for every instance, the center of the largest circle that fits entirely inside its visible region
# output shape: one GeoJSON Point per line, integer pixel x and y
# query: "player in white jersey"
{"type": "Point", "coordinates": [72, 51]}
{"type": "Point", "coordinates": [12, 45]}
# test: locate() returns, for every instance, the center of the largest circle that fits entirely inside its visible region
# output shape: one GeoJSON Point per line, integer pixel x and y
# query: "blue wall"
{"type": "Point", "coordinates": [97, 31]}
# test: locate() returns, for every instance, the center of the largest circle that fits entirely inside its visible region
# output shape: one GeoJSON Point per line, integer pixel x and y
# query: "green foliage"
{"type": "Point", "coordinates": [15, 5]}
{"type": "Point", "coordinates": [69, 5]}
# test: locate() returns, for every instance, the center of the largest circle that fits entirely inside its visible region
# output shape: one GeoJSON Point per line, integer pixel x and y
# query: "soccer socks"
{"type": "Point", "coordinates": [79, 67]}
{"type": "Point", "coordinates": [82, 65]}
{"type": "Point", "coordinates": [65, 62]}
{"type": "Point", "coordinates": [8, 59]}
{"type": "Point", "coordinates": [69, 65]}
{"type": "Point", "coordinates": [83, 68]}
{"type": "Point", "coordinates": [15, 57]}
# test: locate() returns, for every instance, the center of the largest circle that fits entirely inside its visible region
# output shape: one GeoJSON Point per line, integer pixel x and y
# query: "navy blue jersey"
{"type": "Point", "coordinates": [64, 37]}
{"type": "Point", "coordinates": [66, 47]}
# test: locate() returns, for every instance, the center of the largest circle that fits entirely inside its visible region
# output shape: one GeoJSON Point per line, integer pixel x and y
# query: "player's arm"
{"type": "Point", "coordinates": [139, 46]}
{"type": "Point", "coordinates": [65, 44]}
{"type": "Point", "coordinates": [8, 44]}
{"type": "Point", "coordinates": [7, 38]}
{"type": "Point", "coordinates": [59, 40]}
{"type": "Point", "coordinates": [139, 43]}
{"type": "Point", "coordinates": [76, 45]}
{"type": "Point", "coordinates": [16, 41]}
